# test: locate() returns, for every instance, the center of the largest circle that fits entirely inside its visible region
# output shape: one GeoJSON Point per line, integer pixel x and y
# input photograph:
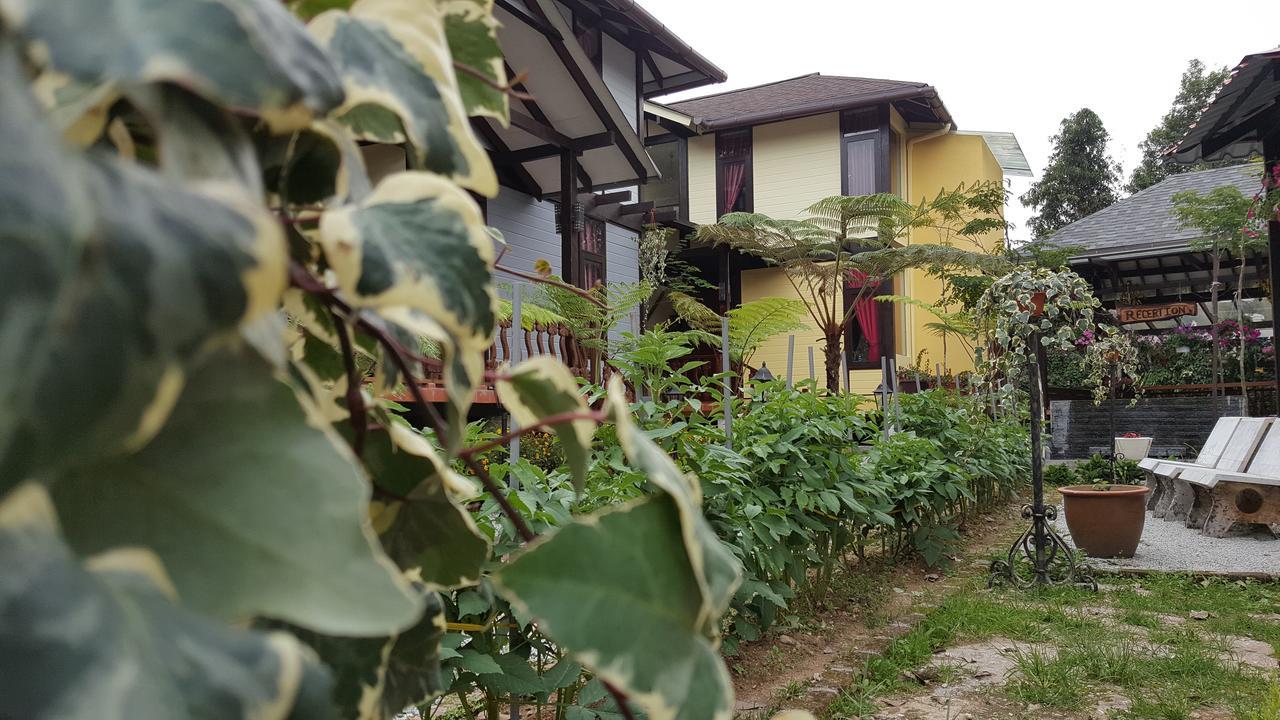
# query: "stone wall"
{"type": "Point", "coordinates": [1177, 425]}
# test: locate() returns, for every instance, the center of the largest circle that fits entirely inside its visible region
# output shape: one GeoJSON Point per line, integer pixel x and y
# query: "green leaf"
{"type": "Point", "coordinates": [514, 677]}
{"type": "Point", "coordinates": [379, 677]}
{"type": "Point", "coordinates": [542, 387]}
{"type": "Point", "coordinates": [417, 251]}
{"type": "Point", "coordinates": [325, 164]}
{"type": "Point", "coordinates": [248, 55]}
{"type": "Point", "coordinates": [617, 591]}
{"type": "Point", "coordinates": [429, 532]}
{"type": "Point", "coordinates": [110, 642]}
{"type": "Point", "coordinates": [253, 509]}
{"type": "Point", "coordinates": [101, 308]}
{"type": "Point", "coordinates": [199, 141]}
{"type": "Point", "coordinates": [477, 662]}
{"type": "Point", "coordinates": [473, 41]}
{"type": "Point", "coordinates": [400, 85]}
{"type": "Point", "coordinates": [718, 572]}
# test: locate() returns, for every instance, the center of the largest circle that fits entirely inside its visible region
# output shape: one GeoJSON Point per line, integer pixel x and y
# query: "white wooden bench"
{"type": "Point", "coordinates": [1184, 504]}
{"type": "Point", "coordinates": [1161, 484]}
{"type": "Point", "coordinates": [1226, 499]}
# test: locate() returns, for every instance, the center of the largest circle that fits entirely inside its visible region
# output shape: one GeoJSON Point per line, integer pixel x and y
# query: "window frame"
{"type": "Point", "coordinates": [748, 182]}
{"type": "Point", "coordinates": [888, 332]}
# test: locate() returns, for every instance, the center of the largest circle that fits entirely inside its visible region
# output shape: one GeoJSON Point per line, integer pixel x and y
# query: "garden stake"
{"type": "Point", "coordinates": [728, 382]}
{"type": "Point", "coordinates": [1053, 560]}
{"type": "Point", "coordinates": [791, 356]}
{"type": "Point", "coordinates": [516, 327]}
{"type": "Point", "coordinates": [812, 374]}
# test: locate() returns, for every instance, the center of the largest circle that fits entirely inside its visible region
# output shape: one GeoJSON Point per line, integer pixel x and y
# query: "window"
{"type": "Point", "coordinates": [668, 192]}
{"type": "Point", "coordinates": [589, 38]}
{"type": "Point", "coordinates": [591, 253]}
{"type": "Point", "coordinates": [871, 334]}
{"type": "Point", "coordinates": [864, 155]}
{"type": "Point", "coordinates": [733, 171]}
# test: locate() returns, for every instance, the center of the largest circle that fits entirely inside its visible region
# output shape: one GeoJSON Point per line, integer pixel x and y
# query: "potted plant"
{"type": "Point", "coordinates": [1132, 446]}
{"type": "Point", "coordinates": [1106, 516]}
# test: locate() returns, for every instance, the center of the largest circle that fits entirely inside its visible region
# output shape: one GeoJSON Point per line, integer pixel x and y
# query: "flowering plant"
{"type": "Point", "coordinates": [1132, 435]}
{"type": "Point", "coordinates": [1008, 308]}
{"type": "Point", "coordinates": [1109, 358]}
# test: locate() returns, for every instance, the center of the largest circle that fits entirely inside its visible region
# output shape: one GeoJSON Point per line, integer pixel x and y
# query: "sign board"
{"type": "Point", "coordinates": [1151, 313]}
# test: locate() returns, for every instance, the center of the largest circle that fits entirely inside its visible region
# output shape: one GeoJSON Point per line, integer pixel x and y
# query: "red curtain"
{"type": "Point", "coordinates": [734, 174]}
{"type": "Point", "coordinates": [867, 311]}
{"type": "Point", "coordinates": [734, 149]}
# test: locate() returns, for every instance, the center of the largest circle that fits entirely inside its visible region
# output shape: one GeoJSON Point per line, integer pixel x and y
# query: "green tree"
{"type": "Point", "coordinates": [1194, 92]}
{"type": "Point", "coordinates": [1233, 224]}
{"type": "Point", "coordinates": [1080, 179]}
{"type": "Point", "coordinates": [841, 236]}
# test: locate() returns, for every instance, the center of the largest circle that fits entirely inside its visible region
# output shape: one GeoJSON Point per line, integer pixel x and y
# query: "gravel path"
{"type": "Point", "coordinates": [1173, 547]}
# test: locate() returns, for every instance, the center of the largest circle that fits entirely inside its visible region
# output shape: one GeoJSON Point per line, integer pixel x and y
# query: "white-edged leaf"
{"type": "Point", "coordinates": [542, 387]}
{"type": "Point", "coordinates": [110, 642]}
{"type": "Point", "coordinates": [400, 86]}
{"type": "Point", "coordinates": [250, 56]}
{"type": "Point", "coordinates": [617, 591]}
{"type": "Point", "coordinates": [255, 509]}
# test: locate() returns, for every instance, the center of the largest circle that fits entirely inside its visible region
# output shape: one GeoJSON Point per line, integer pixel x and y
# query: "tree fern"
{"type": "Point", "coordinates": [750, 325]}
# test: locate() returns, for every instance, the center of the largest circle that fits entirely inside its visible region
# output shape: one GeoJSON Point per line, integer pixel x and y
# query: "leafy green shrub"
{"type": "Point", "coordinates": [1097, 471]}
{"type": "Point", "coordinates": [1060, 475]}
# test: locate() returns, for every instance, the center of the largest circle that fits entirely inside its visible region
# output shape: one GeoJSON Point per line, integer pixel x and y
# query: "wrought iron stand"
{"type": "Point", "coordinates": [1051, 559]}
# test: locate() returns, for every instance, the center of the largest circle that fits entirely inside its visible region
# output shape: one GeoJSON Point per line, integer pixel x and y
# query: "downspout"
{"type": "Point", "coordinates": [907, 284]}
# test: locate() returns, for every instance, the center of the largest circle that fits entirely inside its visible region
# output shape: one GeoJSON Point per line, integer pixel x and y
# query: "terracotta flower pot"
{"type": "Point", "coordinates": [1106, 523]}
{"type": "Point", "coordinates": [1037, 304]}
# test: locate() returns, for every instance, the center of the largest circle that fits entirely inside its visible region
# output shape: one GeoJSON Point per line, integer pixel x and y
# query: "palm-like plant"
{"type": "Point", "coordinates": [843, 238]}
{"type": "Point", "coordinates": [750, 325]}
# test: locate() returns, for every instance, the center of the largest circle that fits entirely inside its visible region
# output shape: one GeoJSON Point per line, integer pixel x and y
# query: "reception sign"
{"type": "Point", "coordinates": [1151, 313]}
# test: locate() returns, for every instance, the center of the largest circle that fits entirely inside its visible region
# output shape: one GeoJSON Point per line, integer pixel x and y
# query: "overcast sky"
{"type": "Point", "coordinates": [1014, 66]}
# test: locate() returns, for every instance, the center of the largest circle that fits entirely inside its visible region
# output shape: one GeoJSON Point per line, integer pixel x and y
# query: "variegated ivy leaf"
{"type": "Point", "coordinates": [199, 141]}
{"type": "Point", "coordinates": [109, 641]}
{"type": "Point", "coordinates": [379, 677]}
{"type": "Point", "coordinates": [77, 108]}
{"type": "Point", "coordinates": [249, 56]}
{"type": "Point", "coordinates": [112, 278]}
{"type": "Point", "coordinates": [254, 507]}
{"type": "Point", "coordinates": [420, 526]}
{"type": "Point", "coordinates": [324, 164]}
{"type": "Point", "coordinates": [473, 40]}
{"type": "Point", "coordinates": [416, 250]}
{"type": "Point", "coordinates": [542, 387]}
{"type": "Point", "coordinates": [617, 591]}
{"type": "Point", "coordinates": [401, 85]}
{"type": "Point", "coordinates": [719, 573]}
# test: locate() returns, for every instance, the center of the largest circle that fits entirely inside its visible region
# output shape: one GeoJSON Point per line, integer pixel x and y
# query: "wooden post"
{"type": "Point", "coordinates": [728, 382]}
{"type": "Point", "coordinates": [568, 197]}
{"type": "Point", "coordinates": [897, 403]}
{"type": "Point", "coordinates": [517, 355]}
{"type": "Point", "coordinates": [791, 357]}
{"type": "Point", "coordinates": [1271, 155]}
{"type": "Point", "coordinates": [844, 370]}
{"type": "Point", "coordinates": [884, 396]}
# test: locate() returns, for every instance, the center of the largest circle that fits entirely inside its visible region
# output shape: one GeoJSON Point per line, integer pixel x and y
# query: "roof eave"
{"type": "Point", "coordinates": [845, 102]}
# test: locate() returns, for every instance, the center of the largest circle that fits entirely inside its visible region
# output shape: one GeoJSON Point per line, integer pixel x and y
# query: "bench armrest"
{"type": "Point", "coordinates": [1244, 477]}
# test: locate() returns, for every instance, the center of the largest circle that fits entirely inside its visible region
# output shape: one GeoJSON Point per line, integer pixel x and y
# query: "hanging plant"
{"type": "Point", "coordinates": [1057, 304]}
{"type": "Point", "coordinates": [1111, 350]}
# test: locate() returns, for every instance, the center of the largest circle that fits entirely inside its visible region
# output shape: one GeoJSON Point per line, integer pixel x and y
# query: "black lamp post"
{"type": "Point", "coordinates": [763, 376]}
{"type": "Point", "coordinates": [1052, 560]}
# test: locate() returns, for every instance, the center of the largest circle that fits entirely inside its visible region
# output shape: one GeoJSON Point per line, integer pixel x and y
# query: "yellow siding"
{"type": "Point", "coordinates": [943, 162]}
{"type": "Point", "coordinates": [794, 164]}
{"type": "Point", "coordinates": [702, 179]}
{"type": "Point", "coordinates": [772, 282]}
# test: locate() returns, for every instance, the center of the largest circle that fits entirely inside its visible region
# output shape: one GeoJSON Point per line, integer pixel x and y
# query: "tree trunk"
{"type": "Point", "coordinates": [831, 357]}
{"type": "Point", "coordinates": [1213, 322]}
{"type": "Point", "coordinates": [1244, 389]}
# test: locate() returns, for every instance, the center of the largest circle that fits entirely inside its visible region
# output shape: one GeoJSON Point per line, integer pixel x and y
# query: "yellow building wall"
{"type": "Point", "coordinates": [797, 162]}
{"type": "Point", "coordinates": [794, 164]}
{"type": "Point", "coordinates": [702, 179]}
{"type": "Point", "coordinates": [942, 162]}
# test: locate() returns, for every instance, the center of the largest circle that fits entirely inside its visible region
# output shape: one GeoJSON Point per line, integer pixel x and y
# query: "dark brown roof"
{"type": "Point", "coordinates": [1231, 125]}
{"type": "Point", "coordinates": [809, 95]}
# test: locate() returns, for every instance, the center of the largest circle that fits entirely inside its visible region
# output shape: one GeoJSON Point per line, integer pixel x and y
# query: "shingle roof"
{"type": "Point", "coordinates": [1146, 219]}
{"type": "Point", "coordinates": [808, 95]}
